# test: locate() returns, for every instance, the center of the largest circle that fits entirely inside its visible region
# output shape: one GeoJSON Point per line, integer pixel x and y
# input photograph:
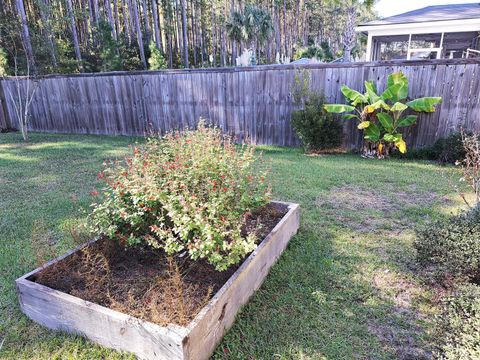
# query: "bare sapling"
{"type": "Point", "coordinates": [471, 163]}
{"type": "Point", "coordinates": [21, 98]}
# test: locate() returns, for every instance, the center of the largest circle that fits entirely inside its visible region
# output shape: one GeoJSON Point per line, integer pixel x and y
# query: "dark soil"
{"type": "Point", "coordinates": [146, 283]}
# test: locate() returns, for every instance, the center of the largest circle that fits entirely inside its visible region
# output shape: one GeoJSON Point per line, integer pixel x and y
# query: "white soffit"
{"type": "Point", "coordinates": [422, 27]}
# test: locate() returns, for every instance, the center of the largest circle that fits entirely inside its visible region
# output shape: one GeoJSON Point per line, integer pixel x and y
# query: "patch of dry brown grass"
{"type": "Point", "coordinates": [366, 209]}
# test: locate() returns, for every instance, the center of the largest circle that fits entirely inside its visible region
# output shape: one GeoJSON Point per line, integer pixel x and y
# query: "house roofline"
{"type": "Point", "coordinates": [472, 22]}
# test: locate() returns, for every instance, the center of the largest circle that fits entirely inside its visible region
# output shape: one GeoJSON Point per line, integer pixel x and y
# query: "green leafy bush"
{"type": "Point", "coordinates": [471, 162]}
{"type": "Point", "coordinates": [424, 153]}
{"type": "Point", "coordinates": [189, 191]}
{"type": "Point", "coordinates": [317, 129]}
{"type": "Point", "coordinates": [458, 325]}
{"type": "Point", "coordinates": [453, 246]}
{"type": "Point", "coordinates": [449, 149]}
{"type": "Point", "coordinates": [445, 150]}
{"type": "Point", "coordinates": [156, 59]}
{"type": "Point", "coordinates": [322, 52]}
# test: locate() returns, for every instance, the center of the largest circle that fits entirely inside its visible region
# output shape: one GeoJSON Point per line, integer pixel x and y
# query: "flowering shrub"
{"type": "Point", "coordinates": [189, 191]}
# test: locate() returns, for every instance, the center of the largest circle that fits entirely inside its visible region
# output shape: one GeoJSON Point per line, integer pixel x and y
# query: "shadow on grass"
{"type": "Point", "coordinates": [339, 292]}
{"type": "Point", "coordinates": [314, 305]}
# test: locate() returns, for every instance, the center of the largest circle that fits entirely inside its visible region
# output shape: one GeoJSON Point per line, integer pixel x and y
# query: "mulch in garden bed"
{"type": "Point", "coordinates": [144, 282]}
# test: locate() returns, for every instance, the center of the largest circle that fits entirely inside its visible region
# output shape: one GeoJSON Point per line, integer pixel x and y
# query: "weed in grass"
{"type": "Point", "coordinates": [42, 242]}
{"type": "Point", "coordinates": [172, 298]}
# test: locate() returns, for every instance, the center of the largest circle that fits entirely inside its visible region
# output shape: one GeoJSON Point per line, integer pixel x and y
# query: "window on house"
{"type": "Point", "coordinates": [390, 47]}
{"type": "Point", "coordinates": [425, 46]}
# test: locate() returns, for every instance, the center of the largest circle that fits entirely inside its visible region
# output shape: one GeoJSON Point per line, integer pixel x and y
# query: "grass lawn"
{"type": "Point", "coordinates": [347, 287]}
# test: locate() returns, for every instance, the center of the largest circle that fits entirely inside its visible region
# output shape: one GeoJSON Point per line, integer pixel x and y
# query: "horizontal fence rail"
{"type": "Point", "coordinates": [254, 103]}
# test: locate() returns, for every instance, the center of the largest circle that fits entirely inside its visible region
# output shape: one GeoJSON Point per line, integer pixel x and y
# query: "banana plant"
{"type": "Point", "coordinates": [381, 117]}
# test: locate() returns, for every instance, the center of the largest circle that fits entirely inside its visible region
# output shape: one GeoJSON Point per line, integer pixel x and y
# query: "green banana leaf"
{"type": "Point", "coordinates": [407, 121]}
{"type": "Point", "coordinates": [397, 87]}
{"type": "Point", "coordinates": [371, 92]}
{"type": "Point", "coordinates": [425, 104]}
{"type": "Point", "coordinates": [398, 106]}
{"type": "Point", "coordinates": [338, 108]}
{"type": "Point", "coordinates": [396, 78]}
{"type": "Point", "coordinates": [395, 92]}
{"type": "Point", "coordinates": [354, 96]}
{"type": "Point", "coordinates": [386, 121]}
{"type": "Point", "coordinates": [392, 137]}
{"type": "Point", "coordinates": [372, 132]}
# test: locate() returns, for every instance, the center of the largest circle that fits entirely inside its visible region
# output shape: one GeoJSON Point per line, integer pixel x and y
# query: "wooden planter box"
{"type": "Point", "coordinates": [60, 311]}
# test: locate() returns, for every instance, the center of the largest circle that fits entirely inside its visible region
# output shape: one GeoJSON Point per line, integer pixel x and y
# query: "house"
{"type": "Point", "coordinates": [433, 32]}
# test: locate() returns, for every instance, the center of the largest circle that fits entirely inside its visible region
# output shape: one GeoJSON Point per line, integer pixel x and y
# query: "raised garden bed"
{"type": "Point", "coordinates": [196, 339]}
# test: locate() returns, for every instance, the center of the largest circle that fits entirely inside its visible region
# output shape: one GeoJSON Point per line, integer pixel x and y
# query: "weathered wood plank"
{"type": "Point", "coordinates": [60, 311]}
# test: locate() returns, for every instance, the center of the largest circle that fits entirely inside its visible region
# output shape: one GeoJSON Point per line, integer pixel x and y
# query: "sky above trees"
{"type": "Point", "coordinates": [393, 7]}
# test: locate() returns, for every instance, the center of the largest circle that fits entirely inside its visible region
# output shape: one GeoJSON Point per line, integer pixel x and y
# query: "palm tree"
{"type": "Point", "coordinates": [264, 26]}
{"type": "Point", "coordinates": [349, 36]}
{"type": "Point", "coordinates": [253, 25]}
{"type": "Point", "coordinates": [259, 26]}
{"type": "Point", "coordinates": [236, 27]}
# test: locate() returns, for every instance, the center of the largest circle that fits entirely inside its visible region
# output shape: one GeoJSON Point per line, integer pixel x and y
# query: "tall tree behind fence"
{"type": "Point", "coordinates": [247, 102]}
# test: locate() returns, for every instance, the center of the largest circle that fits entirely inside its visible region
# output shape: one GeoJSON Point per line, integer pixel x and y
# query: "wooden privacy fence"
{"type": "Point", "coordinates": [254, 102]}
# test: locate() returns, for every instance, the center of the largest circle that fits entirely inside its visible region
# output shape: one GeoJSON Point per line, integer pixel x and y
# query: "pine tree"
{"type": "Point", "coordinates": [108, 48]}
